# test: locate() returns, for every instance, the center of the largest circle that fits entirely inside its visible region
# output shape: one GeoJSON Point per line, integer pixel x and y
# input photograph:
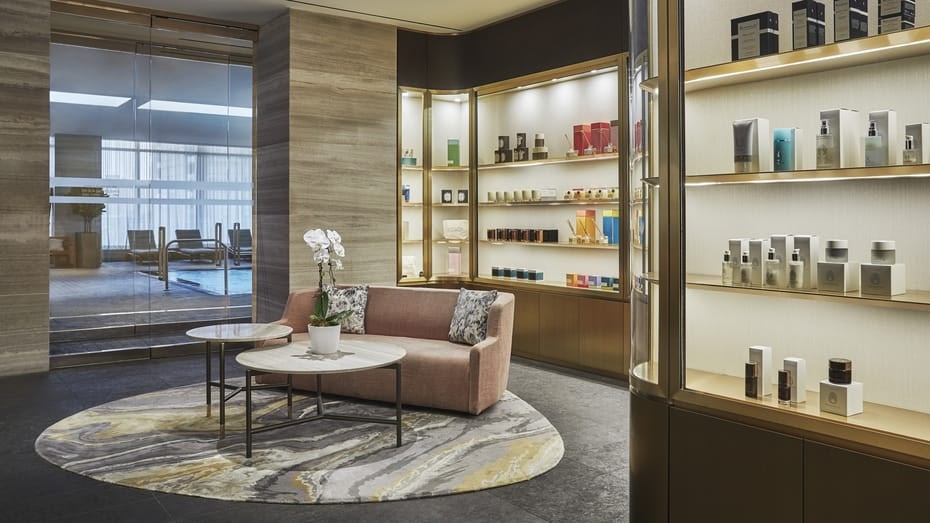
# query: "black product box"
{"type": "Point", "coordinates": [521, 154]}
{"type": "Point", "coordinates": [808, 24]}
{"type": "Point", "coordinates": [896, 15]}
{"type": "Point", "coordinates": [550, 236]}
{"type": "Point", "coordinates": [850, 19]}
{"type": "Point", "coordinates": [503, 156]}
{"type": "Point", "coordinates": [754, 35]}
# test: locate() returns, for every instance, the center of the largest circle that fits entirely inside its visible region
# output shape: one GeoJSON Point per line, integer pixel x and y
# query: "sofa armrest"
{"type": "Point", "coordinates": [489, 360]}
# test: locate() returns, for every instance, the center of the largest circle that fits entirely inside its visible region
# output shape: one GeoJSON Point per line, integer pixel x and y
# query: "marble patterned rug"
{"type": "Point", "coordinates": [163, 441]}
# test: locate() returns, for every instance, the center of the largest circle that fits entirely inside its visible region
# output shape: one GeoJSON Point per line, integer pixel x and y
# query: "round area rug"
{"type": "Point", "coordinates": [163, 441]}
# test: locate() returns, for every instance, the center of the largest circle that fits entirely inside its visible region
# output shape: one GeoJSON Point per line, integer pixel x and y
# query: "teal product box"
{"type": "Point", "coordinates": [408, 160]}
{"type": "Point", "coordinates": [786, 149]}
{"type": "Point", "coordinates": [452, 154]}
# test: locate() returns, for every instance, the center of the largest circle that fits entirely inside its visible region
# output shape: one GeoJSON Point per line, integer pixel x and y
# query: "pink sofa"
{"type": "Point", "coordinates": [436, 372]}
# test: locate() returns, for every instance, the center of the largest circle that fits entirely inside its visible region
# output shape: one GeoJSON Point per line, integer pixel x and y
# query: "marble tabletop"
{"type": "Point", "coordinates": [296, 358]}
{"type": "Point", "coordinates": [237, 332]}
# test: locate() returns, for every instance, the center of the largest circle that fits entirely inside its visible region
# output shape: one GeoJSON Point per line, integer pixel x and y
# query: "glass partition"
{"type": "Point", "coordinates": [149, 143]}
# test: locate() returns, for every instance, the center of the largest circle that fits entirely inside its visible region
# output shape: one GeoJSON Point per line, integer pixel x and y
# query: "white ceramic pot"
{"type": "Point", "coordinates": [324, 340]}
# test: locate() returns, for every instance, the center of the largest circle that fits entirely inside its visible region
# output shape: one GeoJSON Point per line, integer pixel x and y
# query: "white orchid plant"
{"type": "Point", "coordinates": [327, 253]}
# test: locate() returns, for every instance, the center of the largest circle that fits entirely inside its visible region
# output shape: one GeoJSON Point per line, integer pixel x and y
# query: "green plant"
{"type": "Point", "coordinates": [88, 211]}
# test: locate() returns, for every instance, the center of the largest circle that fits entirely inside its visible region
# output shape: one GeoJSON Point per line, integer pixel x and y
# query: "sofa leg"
{"type": "Point", "coordinates": [398, 396]}
{"type": "Point", "coordinates": [319, 394]}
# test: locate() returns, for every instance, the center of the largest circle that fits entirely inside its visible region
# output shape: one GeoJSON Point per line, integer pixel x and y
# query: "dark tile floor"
{"type": "Point", "coordinates": [591, 483]}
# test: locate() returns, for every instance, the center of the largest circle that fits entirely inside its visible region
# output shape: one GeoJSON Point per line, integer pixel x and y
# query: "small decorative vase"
{"type": "Point", "coordinates": [324, 340]}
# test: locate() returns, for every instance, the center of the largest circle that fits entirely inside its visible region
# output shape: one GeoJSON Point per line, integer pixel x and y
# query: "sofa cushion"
{"type": "Point", "coordinates": [470, 317]}
{"type": "Point", "coordinates": [349, 298]}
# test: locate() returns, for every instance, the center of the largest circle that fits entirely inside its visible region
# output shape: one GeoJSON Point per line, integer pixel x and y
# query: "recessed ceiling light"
{"type": "Point", "coordinates": [187, 107]}
{"type": "Point", "coordinates": [64, 97]}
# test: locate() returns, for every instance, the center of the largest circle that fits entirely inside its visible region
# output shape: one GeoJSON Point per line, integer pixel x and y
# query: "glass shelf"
{"type": "Point", "coordinates": [411, 204]}
{"type": "Point", "coordinates": [463, 169]}
{"type": "Point", "coordinates": [451, 242]}
{"type": "Point", "coordinates": [450, 205]}
{"type": "Point", "coordinates": [548, 203]}
{"type": "Point", "coordinates": [911, 300]}
{"type": "Point", "coordinates": [410, 242]}
{"type": "Point", "coordinates": [604, 247]}
{"type": "Point", "coordinates": [812, 175]}
{"type": "Point", "coordinates": [848, 53]}
{"type": "Point", "coordinates": [411, 167]}
{"type": "Point", "coordinates": [550, 161]}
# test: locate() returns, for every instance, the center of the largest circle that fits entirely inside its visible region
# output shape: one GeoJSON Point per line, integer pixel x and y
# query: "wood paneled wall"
{"type": "Point", "coordinates": [24, 207]}
{"type": "Point", "coordinates": [326, 138]}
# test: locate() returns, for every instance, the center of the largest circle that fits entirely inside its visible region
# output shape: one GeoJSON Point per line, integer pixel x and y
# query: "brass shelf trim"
{"type": "Point", "coordinates": [911, 300]}
{"type": "Point", "coordinates": [550, 161]}
{"type": "Point", "coordinates": [849, 53]}
{"type": "Point", "coordinates": [812, 175]}
{"type": "Point", "coordinates": [593, 247]}
{"type": "Point", "coordinates": [547, 203]}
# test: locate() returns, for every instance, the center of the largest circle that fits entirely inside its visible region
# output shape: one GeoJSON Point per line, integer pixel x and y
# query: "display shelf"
{"type": "Point", "coordinates": [462, 169]}
{"type": "Point", "coordinates": [607, 247]}
{"type": "Point", "coordinates": [548, 284]}
{"type": "Point", "coordinates": [450, 205]}
{"type": "Point", "coordinates": [548, 203]}
{"type": "Point", "coordinates": [411, 204]}
{"type": "Point", "coordinates": [911, 300]}
{"type": "Point", "coordinates": [411, 167]}
{"type": "Point", "coordinates": [892, 420]}
{"type": "Point", "coordinates": [411, 242]}
{"type": "Point", "coordinates": [812, 175]}
{"type": "Point", "coordinates": [550, 161]}
{"type": "Point", "coordinates": [849, 53]}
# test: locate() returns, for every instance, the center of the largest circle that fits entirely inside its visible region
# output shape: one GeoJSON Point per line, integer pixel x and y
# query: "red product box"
{"type": "Point", "coordinates": [600, 136]}
{"type": "Point", "coordinates": [582, 137]}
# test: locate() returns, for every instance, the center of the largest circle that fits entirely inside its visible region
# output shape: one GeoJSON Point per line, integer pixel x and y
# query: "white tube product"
{"type": "Point", "coordinates": [751, 146]}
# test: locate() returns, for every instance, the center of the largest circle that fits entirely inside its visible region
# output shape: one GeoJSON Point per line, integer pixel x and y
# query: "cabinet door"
{"type": "Point", "coordinates": [526, 323]}
{"type": "Point", "coordinates": [600, 334]}
{"type": "Point", "coordinates": [558, 328]}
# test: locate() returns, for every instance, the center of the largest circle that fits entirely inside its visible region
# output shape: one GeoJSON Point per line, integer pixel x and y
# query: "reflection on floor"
{"type": "Point", "coordinates": [116, 305]}
{"type": "Point", "coordinates": [590, 484]}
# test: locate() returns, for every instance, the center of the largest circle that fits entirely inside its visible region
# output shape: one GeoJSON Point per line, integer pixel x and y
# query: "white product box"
{"type": "Point", "coordinates": [783, 245]}
{"type": "Point", "coordinates": [837, 276]}
{"type": "Point", "coordinates": [737, 246]}
{"type": "Point", "coordinates": [886, 123]}
{"type": "Point", "coordinates": [797, 367]}
{"type": "Point", "coordinates": [882, 280]}
{"type": "Point", "coordinates": [762, 356]}
{"type": "Point", "coordinates": [809, 247]}
{"type": "Point", "coordinates": [845, 400]}
{"type": "Point", "coordinates": [920, 132]}
{"type": "Point", "coordinates": [845, 124]}
{"type": "Point", "coordinates": [758, 250]}
{"type": "Point", "coordinates": [752, 145]}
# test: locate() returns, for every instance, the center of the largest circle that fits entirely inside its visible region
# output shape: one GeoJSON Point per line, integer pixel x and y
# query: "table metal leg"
{"type": "Point", "coordinates": [319, 394]}
{"type": "Point", "coordinates": [222, 389]}
{"type": "Point", "coordinates": [248, 413]}
{"type": "Point", "coordinates": [399, 403]}
{"type": "Point", "coordinates": [290, 396]}
{"type": "Point", "coordinates": [209, 377]}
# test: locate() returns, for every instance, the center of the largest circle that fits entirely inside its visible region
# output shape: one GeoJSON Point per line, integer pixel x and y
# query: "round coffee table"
{"type": "Point", "coordinates": [296, 358]}
{"type": "Point", "coordinates": [222, 334]}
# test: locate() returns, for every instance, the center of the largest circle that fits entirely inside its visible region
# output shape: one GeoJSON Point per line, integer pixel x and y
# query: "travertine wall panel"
{"type": "Point", "coordinates": [24, 131]}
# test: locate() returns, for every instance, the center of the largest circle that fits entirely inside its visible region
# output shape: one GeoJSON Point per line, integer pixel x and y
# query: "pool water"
{"type": "Point", "coordinates": [211, 280]}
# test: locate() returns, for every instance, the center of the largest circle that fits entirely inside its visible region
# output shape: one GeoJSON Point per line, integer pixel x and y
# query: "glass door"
{"type": "Point", "coordinates": [151, 143]}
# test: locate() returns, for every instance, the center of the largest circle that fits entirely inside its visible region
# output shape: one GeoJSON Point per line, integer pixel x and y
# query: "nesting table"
{"type": "Point", "coordinates": [222, 334]}
{"type": "Point", "coordinates": [296, 358]}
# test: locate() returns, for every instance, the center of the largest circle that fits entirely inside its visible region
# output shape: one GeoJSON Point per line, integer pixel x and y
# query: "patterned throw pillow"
{"type": "Point", "coordinates": [349, 298]}
{"type": "Point", "coordinates": [470, 319]}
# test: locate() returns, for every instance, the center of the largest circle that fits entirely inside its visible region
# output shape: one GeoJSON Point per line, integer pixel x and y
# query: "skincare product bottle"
{"type": "Point", "coordinates": [784, 387]}
{"type": "Point", "coordinates": [796, 271]}
{"type": "Point", "coordinates": [876, 151]}
{"type": "Point", "coordinates": [826, 148]}
{"type": "Point", "coordinates": [840, 371]}
{"type": "Point", "coordinates": [883, 252]}
{"type": "Point", "coordinates": [752, 379]}
{"type": "Point", "coordinates": [745, 270]}
{"type": "Point", "coordinates": [773, 276]}
{"type": "Point", "coordinates": [836, 251]}
{"type": "Point", "coordinates": [911, 155]}
{"type": "Point", "coordinates": [726, 269]}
